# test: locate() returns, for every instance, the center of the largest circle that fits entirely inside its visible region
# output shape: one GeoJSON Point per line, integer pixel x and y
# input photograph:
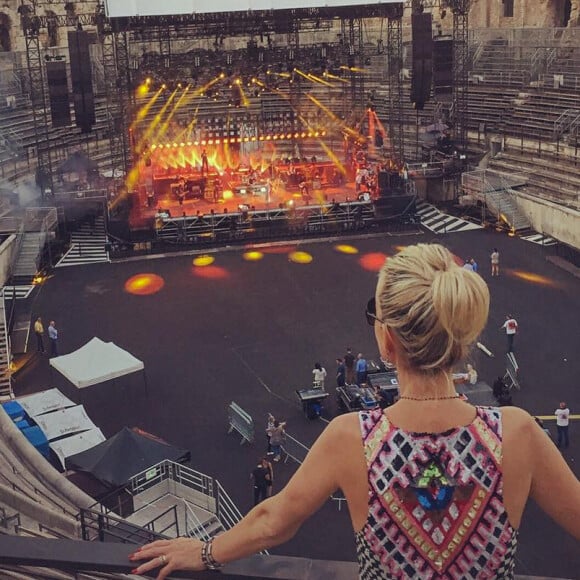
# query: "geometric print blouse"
{"type": "Point", "coordinates": [435, 502]}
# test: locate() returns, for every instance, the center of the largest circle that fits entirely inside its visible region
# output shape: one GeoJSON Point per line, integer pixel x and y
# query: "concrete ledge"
{"type": "Point", "coordinates": [565, 265]}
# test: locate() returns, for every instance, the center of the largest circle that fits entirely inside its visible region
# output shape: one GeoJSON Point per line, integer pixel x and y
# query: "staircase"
{"type": "Point", "coordinates": [5, 384]}
{"type": "Point", "coordinates": [88, 245]}
{"type": "Point", "coordinates": [495, 192]}
{"type": "Point", "coordinates": [28, 259]}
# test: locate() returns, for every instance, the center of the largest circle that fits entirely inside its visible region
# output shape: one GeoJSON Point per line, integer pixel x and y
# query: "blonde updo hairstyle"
{"type": "Point", "coordinates": [435, 308]}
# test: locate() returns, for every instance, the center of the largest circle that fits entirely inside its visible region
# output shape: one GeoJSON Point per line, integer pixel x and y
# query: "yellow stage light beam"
{"type": "Point", "coordinates": [152, 126]}
{"type": "Point", "coordinates": [335, 78]}
{"type": "Point", "coordinates": [312, 78]}
{"type": "Point", "coordinates": [334, 118]}
{"type": "Point", "coordinates": [165, 125]}
{"type": "Point", "coordinates": [245, 100]}
{"type": "Point", "coordinates": [354, 69]}
{"type": "Point", "coordinates": [142, 113]}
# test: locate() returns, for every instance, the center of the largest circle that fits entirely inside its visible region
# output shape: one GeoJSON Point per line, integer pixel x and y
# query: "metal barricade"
{"type": "Point", "coordinates": [293, 449]}
{"type": "Point", "coordinates": [242, 422]}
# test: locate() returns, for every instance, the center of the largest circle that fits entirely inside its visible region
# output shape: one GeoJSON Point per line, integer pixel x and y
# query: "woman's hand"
{"type": "Point", "coordinates": [169, 555]}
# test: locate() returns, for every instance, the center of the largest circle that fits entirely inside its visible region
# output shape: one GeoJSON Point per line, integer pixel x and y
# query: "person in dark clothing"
{"type": "Point", "coordinates": [349, 366]}
{"type": "Point", "coordinates": [261, 477]}
{"type": "Point", "coordinates": [340, 373]}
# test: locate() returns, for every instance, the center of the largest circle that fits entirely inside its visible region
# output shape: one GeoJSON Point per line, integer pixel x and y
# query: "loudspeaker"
{"type": "Point", "coordinates": [383, 180]}
{"type": "Point", "coordinates": [82, 81]}
{"type": "Point", "coordinates": [422, 59]}
{"type": "Point", "coordinates": [58, 93]}
{"type": "Point", "coordinates": [443, 67]}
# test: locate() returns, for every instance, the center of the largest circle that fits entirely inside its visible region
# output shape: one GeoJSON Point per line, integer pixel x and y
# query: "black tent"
{"type": "Point", "coordinates": [124, 455]}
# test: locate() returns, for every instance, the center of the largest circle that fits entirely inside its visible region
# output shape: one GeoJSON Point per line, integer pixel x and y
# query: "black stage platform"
{"type": "Point", "coordinates": [250, 330]}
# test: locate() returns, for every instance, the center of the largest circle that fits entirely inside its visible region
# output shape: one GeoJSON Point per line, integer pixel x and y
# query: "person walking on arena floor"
{"type": "Point", "coordinates": [269, 427]}
{"type": "Point", "coordinates": [340, 373]}
{"type": "Point", "coordinates": [53, 337]}
{"type": "Point", "coordinates": [361, 369]}
{"type": "Point", "coordinates": [39, 332]}
{"type": "Point", "coordinates": [319, 373]}
{"type": "Point", "coordinates": [562, 425]}
{"type": "Point", "coordinates": [407, 472]}
{"type": "Point", "coordinates": [511, 327]}
{"type": "Point", "coordinates": [349, 366]}
{"type": "Point", "coordinates": [260, 476]}
{"type": "Point", "coordinates": [494, 262]}
{"type": "Point", "coordinates": [277, 436]}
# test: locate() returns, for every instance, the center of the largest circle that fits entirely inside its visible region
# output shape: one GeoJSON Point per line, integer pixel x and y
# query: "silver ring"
{"type": "Point", "coordinates": [163, 559]}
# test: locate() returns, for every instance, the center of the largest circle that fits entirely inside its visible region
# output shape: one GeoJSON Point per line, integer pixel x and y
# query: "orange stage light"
{"type": "Point", "coordinates": [228, 194]}
{"type": "Point", "coordinates": [300, 257]}
{"type": "Point", "coordinates": [345, 249]}
{"type": "Point", "coordinates": [144, 284]}
{"type": "Point", "coordinates": [203, 261]}
{"type": "Point", "coordinates": [373, 261]}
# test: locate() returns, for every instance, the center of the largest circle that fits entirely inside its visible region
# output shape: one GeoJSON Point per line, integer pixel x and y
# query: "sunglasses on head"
{"type": "Point", "coordinates": [371, 312]}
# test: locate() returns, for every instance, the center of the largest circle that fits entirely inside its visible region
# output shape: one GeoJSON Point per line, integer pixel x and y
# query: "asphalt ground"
{"type": "Point", "coordinates": [251, 331]}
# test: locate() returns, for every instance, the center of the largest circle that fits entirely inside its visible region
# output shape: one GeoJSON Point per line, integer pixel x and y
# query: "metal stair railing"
{"type": "Point", "coordinates": [569, 119]}
{"type": "Point", "coordinates": [5, 356]}
{"type": "Point", "coordinates": [197, 530]}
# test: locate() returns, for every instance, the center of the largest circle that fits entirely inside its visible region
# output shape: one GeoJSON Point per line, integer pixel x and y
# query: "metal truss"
{"type": "Point", "coordinates": [395, 92]}
{"type": "Point", "coordinates": [460, 109]}
{"type": "Point", "coordinates": [34, 61]}
{"type": "Point", "coordinates": [315, 219]}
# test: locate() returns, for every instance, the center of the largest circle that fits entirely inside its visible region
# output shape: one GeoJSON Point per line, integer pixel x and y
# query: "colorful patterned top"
{"type": "Point", "coordinates": [435, 502]}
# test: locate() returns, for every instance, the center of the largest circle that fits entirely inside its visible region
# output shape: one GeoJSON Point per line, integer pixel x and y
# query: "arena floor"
{"type": "Point", "coordinates": [250, 331]}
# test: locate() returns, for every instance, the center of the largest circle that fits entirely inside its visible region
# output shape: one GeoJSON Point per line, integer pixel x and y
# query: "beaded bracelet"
{"type": "Point", "coordinates": [207, 558]}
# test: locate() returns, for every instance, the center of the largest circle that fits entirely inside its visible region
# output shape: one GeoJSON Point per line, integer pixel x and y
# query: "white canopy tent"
{"type": "Point", "coordinates": [96, 362]}
{"type": "Point", "coordinates": [64, 422]}
{"type": "Point", "coordinates": [44, 402]}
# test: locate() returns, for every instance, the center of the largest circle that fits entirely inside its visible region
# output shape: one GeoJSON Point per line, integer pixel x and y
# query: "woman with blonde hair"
{"type": "Point", "coordinates": [436, 487]}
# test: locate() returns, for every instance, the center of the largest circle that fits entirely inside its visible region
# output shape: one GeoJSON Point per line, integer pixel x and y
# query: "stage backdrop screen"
{"type": "Point", "coordinates": [124, 8]}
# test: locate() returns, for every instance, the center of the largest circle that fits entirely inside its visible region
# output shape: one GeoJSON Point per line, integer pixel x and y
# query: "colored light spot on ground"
{"type": "Point", "coordinates": [228, 194]}
{"type": "Point", "coordinates": [533, 278]}
{"type": "Point", "coordinates": [279, 249]}
{"type": "Point", "coordinates": [300, 257]}
{"type": "Point", "coordinates": [211, 273]}
{"type": "Point", "coordinates": [345, 249]}
{"type": "Point", "coordinates": [144, 284]}
{"type": "Point", "coordinates": [372, 262]}
{"type": "Point", "coordinates": [400, 248]}
{"type": "Point", "coordinates": [253, 256]}
{"type": "Point", "coordinates": [202, 261]}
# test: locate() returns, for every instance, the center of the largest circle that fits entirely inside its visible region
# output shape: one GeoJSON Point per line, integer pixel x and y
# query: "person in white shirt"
{"type": "Point", "coordinates": [511, 327]}
{"type": "Point", "coordinates": [319, 373]}
{"type": "Point", "coordinates": [494, 262]}
{"type": "Point", "coordinates": [562, 422]}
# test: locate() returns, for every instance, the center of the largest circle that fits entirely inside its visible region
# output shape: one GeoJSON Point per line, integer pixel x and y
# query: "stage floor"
{"type": "Point", "coordinates": [251, 331]}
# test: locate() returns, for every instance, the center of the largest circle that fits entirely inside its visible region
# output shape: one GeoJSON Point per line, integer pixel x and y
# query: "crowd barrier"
{"type": "Point", "coordinates": [242, 422]}
{"type": "Point", "coordinates": [293, 449]}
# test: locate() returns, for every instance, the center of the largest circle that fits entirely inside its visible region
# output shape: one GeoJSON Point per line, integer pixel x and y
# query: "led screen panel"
{"type": "Point", "coordinates": [124, 8]}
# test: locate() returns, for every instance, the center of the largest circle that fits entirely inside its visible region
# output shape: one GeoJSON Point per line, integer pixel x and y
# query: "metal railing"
{"type": "Point", "coordinates": [566, 122]}
{"type": "Point", "coordinates": [197, 530]}
{"type": "Point", "coordinates": [227, 512]}
{"type": "Point", "coordinates": [96, 526]}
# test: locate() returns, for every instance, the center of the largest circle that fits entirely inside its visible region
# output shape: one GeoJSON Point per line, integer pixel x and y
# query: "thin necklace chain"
{"type": "Point", "coordinates": [447, 398]}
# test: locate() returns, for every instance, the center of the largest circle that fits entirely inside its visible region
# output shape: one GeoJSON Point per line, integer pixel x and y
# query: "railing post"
{"type": "Point", "coordinates": [101, 527]}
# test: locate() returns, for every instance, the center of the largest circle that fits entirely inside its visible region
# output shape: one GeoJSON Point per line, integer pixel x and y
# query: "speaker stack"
{"type": "Point", "coordinates": [82, 81]}
{"type": "Point", "coordinates": [443, 68]}
{"type": "Point", "coordinates": [422, 59]}
{"type": "Point", "coordinates": [58, 93]}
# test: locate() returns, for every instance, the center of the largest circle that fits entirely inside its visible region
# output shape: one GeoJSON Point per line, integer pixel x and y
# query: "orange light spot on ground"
{"type": "Point", "coordinates": [203, 261]}
{"type": "Point", "coordinates": [300, 257]}
{"type": "Point", "coordinates": [532, 278]}
{"type": "Point", "coordinates": [279, 249]}
{"type": "Point", "coordinates": [211, 273]}
{"type": "Point", "coordinates": [345, 249]}
{"type": "Point", "coordinates": [372, 262]}
{"type": "Point", "coordinates": [144, 284]}
{"type": "Point", "coordinates": [253, 256]}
